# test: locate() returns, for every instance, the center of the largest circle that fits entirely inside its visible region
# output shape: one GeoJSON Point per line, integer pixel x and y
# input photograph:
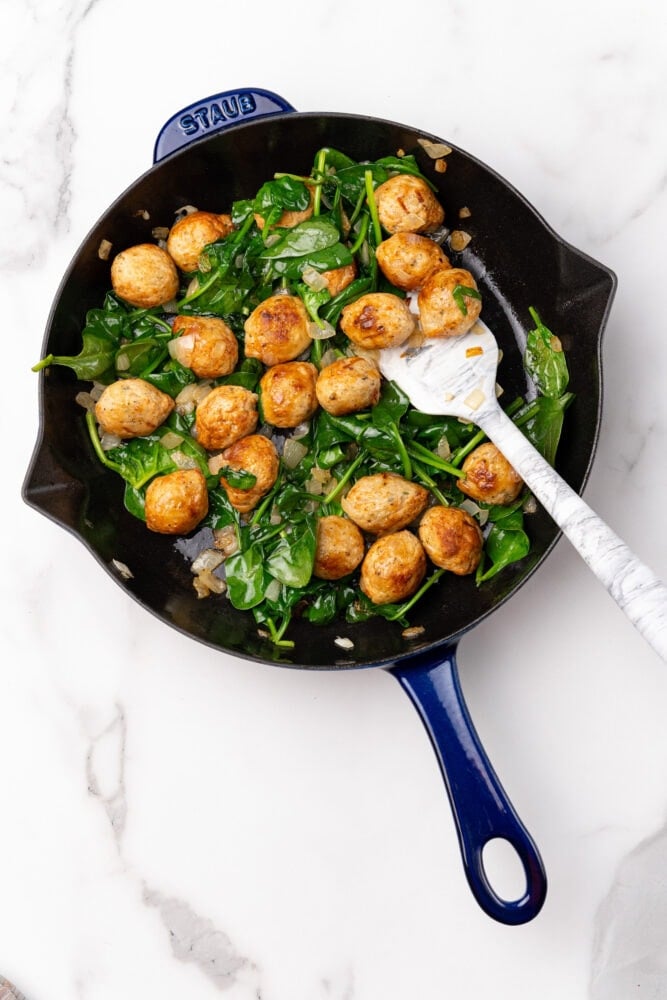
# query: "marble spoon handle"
{"type": "Point", "coordinates": [634, 587]}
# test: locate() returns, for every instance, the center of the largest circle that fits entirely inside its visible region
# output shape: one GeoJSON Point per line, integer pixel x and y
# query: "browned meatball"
{"type": "Point", "coordinates": [340, 548]}
{"type": "Point", "coordinates": [206, 345]}
{"type": "Point", "coordinates": [489, 476]}
{"type": "Point", "coordinates": [144, 275]}
{"type": "Point", "coordinates": [339, 278]}
{"type": "Point", "coordinates": [384, 502]}
{"type": "Point", "coordinates": [440, 314]}
{"type": "Point", "coordinates": [131, 408]}
{"type": "Point", "coordinates": [176, 502]}
{"type": "Point", "coordinates": [378, 319]}
{"type": "Point", "coordinates": [227, 413]}
{"type": "Point", "coordinates": [452, 539]}
{"type": "Point", "coordinates": [406, 204]}
{"type": "Point", "coordinates": [348, 385]}
{"type": "Point", "coordinates": [257, 455]}
{"type": "Point", "coordinates": [287, 393]}
{"type": "Point", "coordinates": [406, 259]}
{"type": "Point", "coordinates": [277, 330]}
{"type": "Point", "coordinates": [394, 567]}
{"type": "Point", "coordinates": [188, 237]}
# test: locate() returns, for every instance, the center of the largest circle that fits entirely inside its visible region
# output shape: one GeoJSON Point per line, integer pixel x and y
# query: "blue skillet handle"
{"type": "Point", "coordinates": [482, 811]}
{"type": "Point", "coordinates": [213, 114]}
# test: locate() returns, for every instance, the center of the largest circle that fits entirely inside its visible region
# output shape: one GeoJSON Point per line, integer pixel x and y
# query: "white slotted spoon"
{"type": "Point", "coordinates": [456, 376]}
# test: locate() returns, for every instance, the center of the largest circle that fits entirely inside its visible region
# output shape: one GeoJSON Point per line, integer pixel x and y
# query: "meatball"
{"type": "Point", "coordinates": [378, 319]}
{"type": "Point", "coordinates": [394, 567]}
{"type": "Point", "coordinates": [489, 476]}
{"type": "Point", "coordinates": [406, 204]}
{"type": "Point", "coordinates": [277, 330]}
{"type": "Point", "coordinates": [132, 407]}
{"type": "Point", "coordinates": [188, 237]}
{"type": "Point", "coordinates": [225, 414]}
{"type": "Point", "coordinates": [384, 502]}
{"type": "Point", "coordinates": [176, 502]}
{"type": "Point", "coordinates": [287, 393]}
{"type": "Point", "coordinates": [257, 455]}
{"type": "Point", "coordinates": [144, 275]}
{"type": "Point", "coordinates": [452, 539]}
{"type": "Point", "coordinates": [407, 258]}
{"type": "Point", "coordinates": [340, 548]}
{"type": "Point", "coordinates": [206, 345]}
{"type": "Point", "coordinates": [440, 314]}
{"type": "Point", "coordinates": [347, 386]}
{"type": "Point", "coordinates": [339, 278]}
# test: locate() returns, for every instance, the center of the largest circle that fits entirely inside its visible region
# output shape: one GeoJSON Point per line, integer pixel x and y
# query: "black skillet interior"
{"type": "Point", "coordinates": [518, 262]}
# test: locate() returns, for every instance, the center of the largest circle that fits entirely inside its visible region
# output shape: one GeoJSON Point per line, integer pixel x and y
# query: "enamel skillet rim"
{"type": "Point", "coordinates": [71, 496]}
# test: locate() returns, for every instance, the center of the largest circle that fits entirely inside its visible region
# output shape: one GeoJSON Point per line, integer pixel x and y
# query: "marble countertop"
{"type": "Point", "coordinates": [179, 822]}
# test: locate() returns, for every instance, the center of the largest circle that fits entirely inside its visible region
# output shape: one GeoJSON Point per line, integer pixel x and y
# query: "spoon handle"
{"type": "Point", "coordinates": [634, 587]}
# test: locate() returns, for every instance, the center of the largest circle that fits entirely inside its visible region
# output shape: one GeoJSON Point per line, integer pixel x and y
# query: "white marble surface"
{"type": "Point", "coordinates": [178, 823]}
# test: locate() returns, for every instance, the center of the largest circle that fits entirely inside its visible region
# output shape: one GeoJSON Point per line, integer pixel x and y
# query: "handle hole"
{"type": "Point", "coordinates": [504, 869]}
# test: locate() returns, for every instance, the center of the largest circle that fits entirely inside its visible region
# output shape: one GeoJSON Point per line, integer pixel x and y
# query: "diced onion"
{"type": "Point", "coordinates": [86, 400]}
{"type": "Point", "coordinates": [328, 358]}
{"type": "Point", "coordinates": [434, 149]}
{"type": "Point", "coordinates": [206, 583]}
{"type": "Point", "coordinates": [323, 332]}
{"type": "Point", "coordinates": [344, 642]}
{"type": "Point", "coordinates": [413, 632]}
{"type": "Point", "coordinates": [293, 452]}
{"type": "Point", "coordinates": [476, 511]}
{"type": "Point", "coordinates": [104, 249]}
{"type": "Point", "coordinates": [191, 395]}
{"type": "Point", "coordinates": [314, 279]}
{"type": "Point", "coordinates": [442, 449]}
{"type": "Point", "coordinates": [185, 210]}
{"type": "Point", "coordinates": [109, 441]}
{"type": "Point", "coordinates": [160, 232]}
{"type": "Point", "coordinates": [122, 362]}
{"type": "Point", "coordinates": [207, 559]}
{"type": "Point", "coordinates": [171, 439]}
{"type": "Point", "coordinates": [459, 240]}
{"type": "Point", "coordinates": [301, 430]}
{"type": "Point", "coordinates": [181, 348]}
{"type": "Point", "coordinates": [183, 461]}
{"type": "Point", "coordinates": [123, 569]}
{"type": "Point", "coordinates": [226, 540]}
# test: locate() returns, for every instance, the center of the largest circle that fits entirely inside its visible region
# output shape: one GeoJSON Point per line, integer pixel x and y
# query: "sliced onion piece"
{"type": "Point", "coordinates": [293, 452]}
{"type": "Point", "coordinates": [314, 279]}
{"type": "Point", "coordinates": [181, 348]}
{"type": "Point", "coordinates": [323, 332]}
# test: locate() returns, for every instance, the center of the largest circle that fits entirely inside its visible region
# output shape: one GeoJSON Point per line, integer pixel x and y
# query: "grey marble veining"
{"type": "Point", "coordinates": [630, 945]}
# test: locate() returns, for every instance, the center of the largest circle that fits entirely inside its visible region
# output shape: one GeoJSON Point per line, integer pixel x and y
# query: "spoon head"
{"type": "Point", "coordinates": [447, 376]}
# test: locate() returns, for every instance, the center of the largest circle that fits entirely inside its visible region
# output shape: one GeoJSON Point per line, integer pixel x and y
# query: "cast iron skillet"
{"type": "Point", "coordinates": [518, 262]}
